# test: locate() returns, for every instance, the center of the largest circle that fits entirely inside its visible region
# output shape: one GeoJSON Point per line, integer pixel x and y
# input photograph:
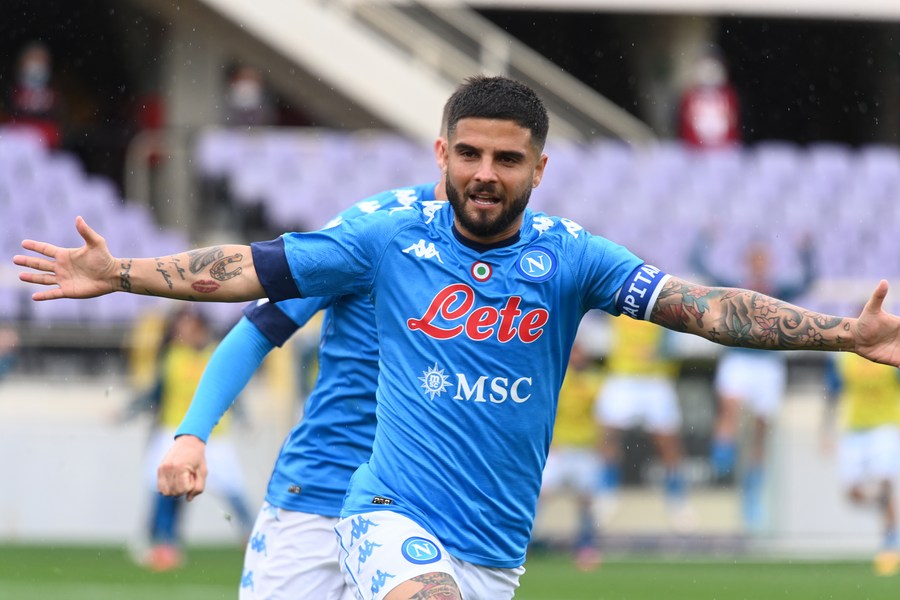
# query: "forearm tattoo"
{"type": "Point", "coordinates": [161, 269]}
{"type": "Point", "coordinates": [218, 264]}
{"type": "Point", "coordinates": [203, 257]}
{"type": "Point", "coordinates": [217, 271]}
{"type": "Point", "coordinates": [736, 317]}
{"type": "Point", "coordinates": [163, 266]}
{"type": "Point", "coordinates": [436, 586]}
{"type": "Point", "coordinates": [125, 275]}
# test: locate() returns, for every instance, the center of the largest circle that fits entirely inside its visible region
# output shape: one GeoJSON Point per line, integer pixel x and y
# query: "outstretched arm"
{"type": "Point", "coordinates": [216, 274]}
{"type": "Point", "coordinates": [738, 317]}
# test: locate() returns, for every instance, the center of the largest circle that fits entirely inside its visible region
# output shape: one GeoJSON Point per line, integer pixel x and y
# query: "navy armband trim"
{"type": "Point", "coordinates": [273, 271]}
{"type": "Point", "coordinates": [271, 322]}
{"type": "Point", "coordinates": [639, 292]}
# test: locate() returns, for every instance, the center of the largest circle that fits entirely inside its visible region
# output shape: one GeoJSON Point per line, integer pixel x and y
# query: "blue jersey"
{"type": "Point", "coordinates": [335, 435]}
{"type": "Point", "coordinates": [474, 344]}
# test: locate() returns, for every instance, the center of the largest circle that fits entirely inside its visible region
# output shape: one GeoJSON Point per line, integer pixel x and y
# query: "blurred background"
{"type": "Point", "coordinates": [678, 128]}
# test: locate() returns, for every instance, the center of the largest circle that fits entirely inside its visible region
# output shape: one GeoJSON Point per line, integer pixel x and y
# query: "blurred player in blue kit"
{"type": "Point", "coordinates": [749, 379]}
{"type": "Point", "coordinates": [477, 303]}
{"type": "Point", "coordinates": [293, 552]}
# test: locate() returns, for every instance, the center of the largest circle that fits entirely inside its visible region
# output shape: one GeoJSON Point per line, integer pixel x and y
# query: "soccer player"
{"type": "Point", "coordinates": [751, 379]}
{"type": "Point", "coordinates": [477, 303]}
{"type": "Point", "coordinates": [868, 396]}
{"type": "Point", "coordinates": [574, 462]}
{"type": "Point", "coordinates": [293, 552]}
{"type": "Point", "coordinates": [639, 390]}
{"type": "Point", "coordinates": [185, 351]}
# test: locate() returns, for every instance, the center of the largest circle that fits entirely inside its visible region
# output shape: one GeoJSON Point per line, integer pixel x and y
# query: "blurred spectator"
{"type": "Point", "coordinates": [867, 396]}
{"type": "Point", "coordinates": [9, 342]}
{"type": "Point", "coordinates": [573, 463]}
{"type": "Point", "coordinates": [32, 101]}
{"type": "Point", "coordinates": [183, 353]}
{"type": "Point", "coordinates": [639, 390]}
{"type": "Point", "coordinates": [248, 102]}
{"type": "Point", "coordinates": [708, 114]}
{"type": "Point", "coordinates": [754, 379]}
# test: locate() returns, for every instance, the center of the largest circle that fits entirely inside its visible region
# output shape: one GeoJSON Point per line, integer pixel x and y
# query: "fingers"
{"type": "Point", "coordinates": [48, 250]}
{"type": "Point", "coordinates": [199, 484]}
{"type": "Point", "coordinates": [185, 481]}
{"type": "Point", "coordinates": [90, 237]}
{"type": "Point", "coordinates": [35, 262]}
{"type": "Point", "coordinates": [873, 306]}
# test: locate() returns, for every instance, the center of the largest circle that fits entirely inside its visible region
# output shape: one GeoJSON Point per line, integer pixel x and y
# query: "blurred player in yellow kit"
{"type": "Point", "coordinates": [574, 462]}
{"type": "Point", "coordinates": [182, 355]}
{"type": "Point", "coordinates": [639, 390]}
{"type": "Point", "coordinates": [868, 402]}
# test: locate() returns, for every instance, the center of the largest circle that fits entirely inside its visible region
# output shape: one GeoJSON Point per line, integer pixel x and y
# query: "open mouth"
{"type": "Point", "coordinates": [484, 199]}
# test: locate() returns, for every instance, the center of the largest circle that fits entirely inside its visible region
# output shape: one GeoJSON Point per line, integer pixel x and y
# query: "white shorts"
{"type": "Point", "coordinates": [627, 402]}
{"type": "Point", "coordinates": [225, 472]}
{"type": "Point", "coordinates": [869, 455]}
{"type": "Point", "coordinates": [292, 555]}
{"type": "Point", "coordinates": [758, 379]}
{"type": "Point", "coordinates": [577, 469]}
{"type": "Point", "coordinates": [380, 550]}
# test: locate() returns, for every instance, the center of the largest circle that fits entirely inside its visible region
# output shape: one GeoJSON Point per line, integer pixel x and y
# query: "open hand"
{"type": "Point", "coordinates": [83, 272]}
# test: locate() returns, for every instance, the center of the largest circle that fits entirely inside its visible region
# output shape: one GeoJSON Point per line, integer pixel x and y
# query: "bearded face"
{"type": "Point", "coordinates": [482, 223]}
{"type": "Point", "coordinates": [491, 167]}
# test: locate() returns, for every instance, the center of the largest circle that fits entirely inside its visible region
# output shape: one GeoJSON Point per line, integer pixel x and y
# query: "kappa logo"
{"type": "Point", "coordinates": [360, 527]}
{"type": "Point", "coordinates": [430, 208]}
{"type": "Point", "coordinates": [258, 543]}
{"type": "Point", "coordinates": [365, 552]}
{"type": "Point", "coordinates": [405, 196]}
{"type": "Point", "coordinates": [537, 264]}
{"type": "Point", "coordinates": [420, 551]}
{"type": "Point", "coordinates": [423, 250]}
{"type": "Point", "coordinates": [379, 579]}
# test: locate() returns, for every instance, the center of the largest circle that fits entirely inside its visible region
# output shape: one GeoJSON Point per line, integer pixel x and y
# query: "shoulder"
{"type": "Point", "coordinates": [560, 231]}
{"type": "Point", "coordinates": [386, 200]}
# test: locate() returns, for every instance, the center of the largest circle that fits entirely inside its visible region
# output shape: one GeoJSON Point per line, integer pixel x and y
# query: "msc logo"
{"type": "Point", "coordinates": [434, 382]}
{"type": "Point", "coordinates": [423, 250]}
{"type": "Point", "coordinates": [420, 551]}
{"type": "Point", "coordinates": [537, 264]}
{"type": "Point", "coordinates": [495, 390]}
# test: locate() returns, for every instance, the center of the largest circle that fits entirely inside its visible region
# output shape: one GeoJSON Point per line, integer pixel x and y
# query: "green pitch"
{"type": "Point", "coordinates": [88, 573]}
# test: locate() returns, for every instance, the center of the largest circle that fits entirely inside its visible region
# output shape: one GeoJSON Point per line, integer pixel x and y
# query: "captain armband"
{"type": "Point", "coordinates": [639, 292]}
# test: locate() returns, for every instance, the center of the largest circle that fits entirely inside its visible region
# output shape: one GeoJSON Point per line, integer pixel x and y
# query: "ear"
{"type": "Point", "coordinates": [539, 171]}
{"type": "Point", "coordinates": [441, 153]}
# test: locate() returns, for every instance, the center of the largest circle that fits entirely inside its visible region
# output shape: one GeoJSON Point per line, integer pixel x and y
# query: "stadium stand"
{"type": "Point", "coordinates": [654, 200]}
{"type": "Point", "coordinates": [774, 191]}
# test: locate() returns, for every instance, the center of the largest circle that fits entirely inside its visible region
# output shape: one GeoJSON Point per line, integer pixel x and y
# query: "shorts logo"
{"type": "Point", "coordinates": [420, 551]}
{"type": "Point", "coordinates": [537, 264]}
{"type": "Point", "coordinates": [481, 271]}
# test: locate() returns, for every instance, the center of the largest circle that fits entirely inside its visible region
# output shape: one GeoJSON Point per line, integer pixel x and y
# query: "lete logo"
{"type": "Point", "coordinates": [455, 303]}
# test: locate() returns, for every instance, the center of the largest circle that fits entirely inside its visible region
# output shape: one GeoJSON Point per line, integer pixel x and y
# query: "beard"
{"type": "Point", "coordinates": [483, 225]}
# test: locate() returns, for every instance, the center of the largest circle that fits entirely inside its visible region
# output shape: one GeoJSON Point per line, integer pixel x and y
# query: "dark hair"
{"type": "Point", "coordinates": [483, 97]}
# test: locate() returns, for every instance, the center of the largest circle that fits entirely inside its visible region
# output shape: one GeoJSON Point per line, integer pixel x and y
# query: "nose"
{"type": "Point", "coordinates": [486, 171]}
